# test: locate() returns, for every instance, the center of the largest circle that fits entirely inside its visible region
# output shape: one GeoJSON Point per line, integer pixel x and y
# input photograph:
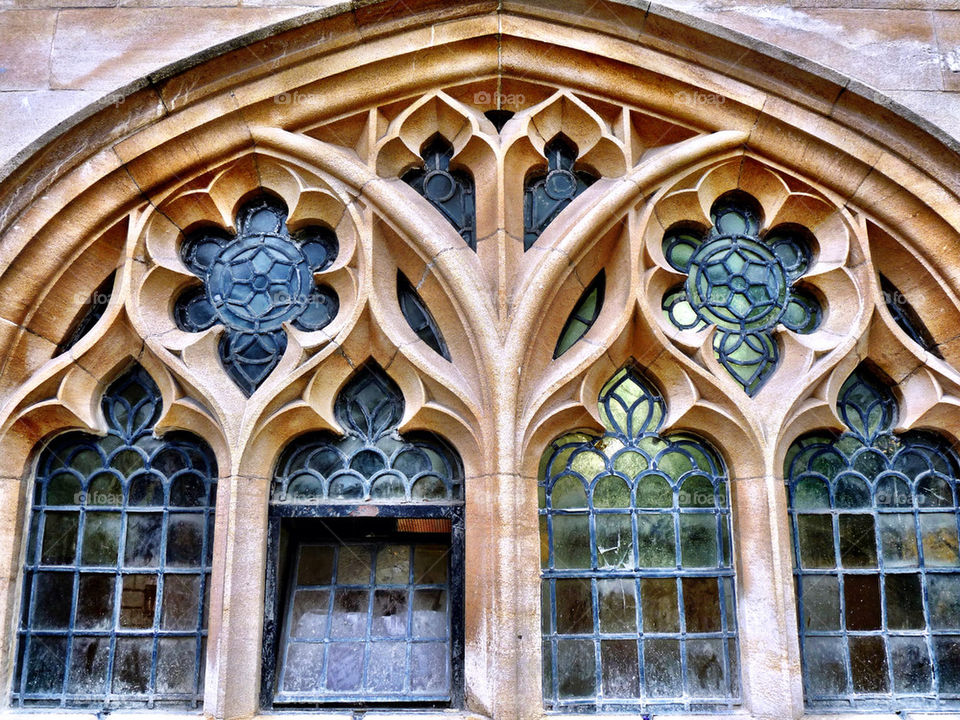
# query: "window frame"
{"type": "Point", "coordinates": [277, 592]}
{"type": "Point", "coordinates": [128, 432]}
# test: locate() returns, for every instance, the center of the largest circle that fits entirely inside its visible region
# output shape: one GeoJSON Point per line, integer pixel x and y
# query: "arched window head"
{"type": "Point", "coordinates": [742, 281]}
{"type": "Point", "coordinates": [372, 461]}
{"type": "Point", "coordinates": [118, 563]}
{"type": "Point", "coordinates": [546, 194]}
{"type": "Point", "coordinates": [875, 531]}
{"type": "Point", "coordinates": [369, 527]}
{"type": "Point", "coordinates": [254, 282]}
{"type": "Point", "coordinates": [450, 191]}
{"type": "Point", "coordinates": [637, 578]}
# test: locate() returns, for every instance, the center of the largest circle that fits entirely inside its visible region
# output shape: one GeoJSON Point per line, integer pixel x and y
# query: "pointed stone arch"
{"type": "Point", "coordinates": [327, 114]}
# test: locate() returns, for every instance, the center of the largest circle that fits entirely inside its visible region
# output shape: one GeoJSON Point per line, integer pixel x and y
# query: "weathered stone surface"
{"type": "Point", "coordinates": [36, 112]}
{"type": "Point", "coordinates": [103, 49]}
{"type": "Point", "coordinates": [25, 51]}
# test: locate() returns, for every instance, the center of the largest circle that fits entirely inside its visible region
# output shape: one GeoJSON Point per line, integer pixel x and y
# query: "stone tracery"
{"type": "Point", "coordinates": [658, 164]}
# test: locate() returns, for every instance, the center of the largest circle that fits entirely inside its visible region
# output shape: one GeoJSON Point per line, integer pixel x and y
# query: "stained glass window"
{"type": "Point", "coordinates": [907, 318]}
{"type": "Point", "coordinates": [742, 281]}
{"type": "Point", "coordinates": [418, 316]}
{"type": "Point", "coordinates": [95, 307]}
{"type": "Point", "coordinates": [875, 532]}
{"type": "Point", "coordinates": [545, 194]}
{"type": "Point", "coordinates": [450, 191]}
{"type": "Point", "coordinates": [367, 544]}
{"type": "Point", "coordinates": [253, 283]}
{"type": "Point", "coordinates": [637, 594]}
{"type": "Point", "coordinates": [584, 314]}
{"type": "Point", "coordinates": [117, 571]}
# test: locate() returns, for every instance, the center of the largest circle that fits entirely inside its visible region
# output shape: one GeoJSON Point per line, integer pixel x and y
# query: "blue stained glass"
{"type": "Point", "coordinates": [546, 194]}
{"type": "Point", "coordinates": [255, 282]}
{"type": "Point", "coordinates": [450, 191]}
{"type": "Point", "coordinates": [118, 563]}
{"type": "Point", "coordinates": [875, 533]}
{"type": "Point", "coordinates": [637, 573]}
{"type": "Point", "coordinates": [418, 316]}
{"type": "Point", "coordinates": [372, 460]}
{"type": "Point", "coordinates": [743, 283]}
{"type": "Point", "coordinates": [907, 318]}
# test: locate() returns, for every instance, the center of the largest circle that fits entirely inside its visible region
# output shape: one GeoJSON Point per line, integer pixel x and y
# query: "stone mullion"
{"type": "Point", "coordinates": [766, 608]}
{"type": "Point", "coordinates": [13, 524]}
{"type": "Point", "coordinates": [517, 580]}
{"type": "Point", "coordinates": [235, 625]}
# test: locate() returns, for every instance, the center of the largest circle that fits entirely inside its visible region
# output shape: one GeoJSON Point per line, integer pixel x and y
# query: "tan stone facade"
{"type": "Point", "coordinates": [327, 115]}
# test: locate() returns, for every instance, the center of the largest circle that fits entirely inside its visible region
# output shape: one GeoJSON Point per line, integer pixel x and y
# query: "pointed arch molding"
{"type": "Point", "coordinates": [326, 114]}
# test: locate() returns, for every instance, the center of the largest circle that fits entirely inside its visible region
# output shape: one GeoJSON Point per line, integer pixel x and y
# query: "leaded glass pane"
{"type": "Point", "coordinates": [875, 526]}
{"type": "Point", "coordinates": [370, 527]}
{"type": "Point", "coordinates": [907, 318]}
{"type": "Point", "coordinates": [584, 314]}
{"type": "Point", "coordinates": [372, 461]}
{"type": "Point", "coordinates": [94, 309]}
{"type": "Point", "coordinates": [637, 576]}
{"type": "Point", "coordinates": [254, 282]}
{"type": "Point", "coordinates": [418, 316]}
{"type": "Point", "coordinates": [742, 280]}
{"type": "Point", "coordinates": [110, 621]}
{"type": "Point", "coordinates": [449, 191]}
{"type": "Point", "coordinates": [546, 194]}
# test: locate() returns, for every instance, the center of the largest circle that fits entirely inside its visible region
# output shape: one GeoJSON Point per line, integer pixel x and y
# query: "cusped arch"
{"type": "Point", "coordinates": [217, 123]}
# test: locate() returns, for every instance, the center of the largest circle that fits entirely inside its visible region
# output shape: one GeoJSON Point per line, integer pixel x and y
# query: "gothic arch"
{"type": "Point", "coordinates": [326, 117]}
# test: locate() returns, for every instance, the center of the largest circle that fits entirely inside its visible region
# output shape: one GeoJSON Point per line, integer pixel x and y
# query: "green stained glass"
{"type": "Point", "coordinates": [742, 281]}
{"type": "Point", "coordinates": [583, 316]}
{"type": "Point", "coordinates": [655, 520]}
{"type": "Point", "coordinates": [611, 492]}
{"type": "Point", "coordinates": [884, 505]}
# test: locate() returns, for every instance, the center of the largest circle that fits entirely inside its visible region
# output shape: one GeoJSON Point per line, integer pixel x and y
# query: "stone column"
{"type": "Point", "coordinates": [237, 598]}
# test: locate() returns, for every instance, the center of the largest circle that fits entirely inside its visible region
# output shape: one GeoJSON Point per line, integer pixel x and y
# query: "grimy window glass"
{"type": "Point", "coordinates": [637, 577]}
{"type": "Point", "coordinates": [365, 610]}
{"type": "Point", "coordinates": [118, 563]}
{"type": "Point", "coordinates": [877, 565]}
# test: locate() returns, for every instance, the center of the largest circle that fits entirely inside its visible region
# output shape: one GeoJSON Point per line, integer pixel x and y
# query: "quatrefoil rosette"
{"type": "Point", "coordinates": [752, 273]}
{"type": "Point", "coordinates": [247, 272]}
{"type": "Point", "coordinates": [255, 281]}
